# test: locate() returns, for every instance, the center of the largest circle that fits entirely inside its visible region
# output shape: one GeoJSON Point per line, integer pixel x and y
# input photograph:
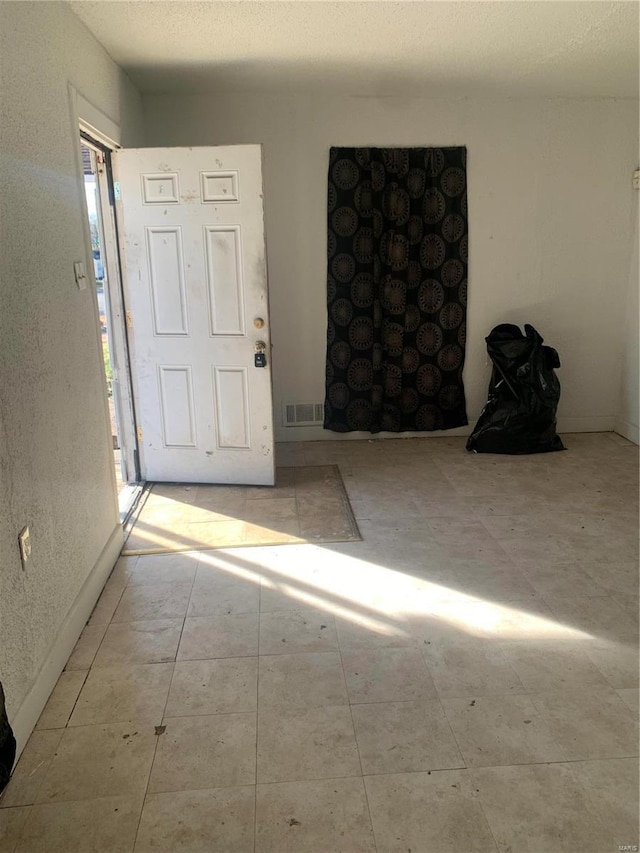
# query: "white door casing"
{"type": "Point", "coordinates": [121, 386]}
{"type": "Point", "coordinates": [192, 242]}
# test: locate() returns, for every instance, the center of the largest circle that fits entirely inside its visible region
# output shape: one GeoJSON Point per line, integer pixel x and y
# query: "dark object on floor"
{"type": "Point", "coordinates": [7, 744]}
{"type": "Point", "coordinates": [520, 414]}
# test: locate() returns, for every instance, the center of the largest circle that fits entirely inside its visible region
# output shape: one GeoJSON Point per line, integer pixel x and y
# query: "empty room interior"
{"type": "Point", "coordinates": [319, 426]}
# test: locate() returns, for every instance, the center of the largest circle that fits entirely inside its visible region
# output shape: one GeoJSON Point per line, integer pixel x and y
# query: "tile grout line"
{"type": "Point", "coordinates": [155, 750]}
{"type": "Point", "coordinates": [249, 785]}
{"type": "Point", "coordinates": [469, 770]}
{"type": "Point", "coordinates": [446, 716]}
{"type": "Point", "coordinates": [82, 686]}
{"type": "Point", "coordinates": [23, 828]}
{"type": "Point", "coordinates": [478, 799]}
{"type": "Point", "coordinates": [186, 616]}
{"type": "Point", "coordinates": [355, 738]}
{"type": "Point", "coordinates": [146, 791]}
{"type": "Point", "coordinates": [110, 622]}
{"type": "Point", "coordinates": [255, 787]}
{"type": "Point", "coordinates": [481, 767]}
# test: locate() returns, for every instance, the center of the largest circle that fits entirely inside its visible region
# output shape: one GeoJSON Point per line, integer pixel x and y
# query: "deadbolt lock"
{"type": "Point", "coordinates": [260, 356]}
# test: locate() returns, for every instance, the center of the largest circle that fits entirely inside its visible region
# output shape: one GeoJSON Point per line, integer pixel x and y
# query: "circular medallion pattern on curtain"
{"type": "Point", "coordinates": [397, 248]}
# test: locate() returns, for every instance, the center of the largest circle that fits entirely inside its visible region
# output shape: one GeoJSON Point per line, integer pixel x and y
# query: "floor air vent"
{"type": "Point", "coordinates": [303, 414]}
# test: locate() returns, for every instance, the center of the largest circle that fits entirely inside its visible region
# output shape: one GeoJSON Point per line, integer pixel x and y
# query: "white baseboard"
{"type": "Point", "coordinates": [317, 433]}
{"type": "Point", "coordinates": [600, 424]}
{"type": "Point", "coordinates": [627, 430]}
{"type": "Point", "coordinates": [27, 715]}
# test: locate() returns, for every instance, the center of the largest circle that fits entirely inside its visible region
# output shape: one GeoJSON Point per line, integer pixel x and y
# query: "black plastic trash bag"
{"type": "Point", "coordinates": [7, 744]}
{"type": "Point", "coordinates": [520, 414]}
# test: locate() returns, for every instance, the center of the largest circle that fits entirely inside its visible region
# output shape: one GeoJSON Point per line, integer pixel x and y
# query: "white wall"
{"type": "Point", "coordinates": [627, 420]}
{"type": "Point", "coordinates": [550, 207]}
{"type": "Point", "coordinates": [56, 468]}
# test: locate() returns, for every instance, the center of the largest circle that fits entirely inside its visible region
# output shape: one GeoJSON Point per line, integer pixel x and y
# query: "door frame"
{"type": "Point", "coordinates": [116, 310]}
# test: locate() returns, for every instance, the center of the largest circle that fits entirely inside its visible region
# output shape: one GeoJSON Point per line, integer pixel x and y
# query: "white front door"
{"type": "Point", "coordinates": [192, 241]}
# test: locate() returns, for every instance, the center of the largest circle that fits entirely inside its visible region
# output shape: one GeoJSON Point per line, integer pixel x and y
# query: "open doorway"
{"type": "Point", "coordinates": [99, 193]}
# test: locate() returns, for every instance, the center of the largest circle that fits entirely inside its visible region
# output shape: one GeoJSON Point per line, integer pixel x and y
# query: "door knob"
{"type": "Point", "coordinates": [258, 322]}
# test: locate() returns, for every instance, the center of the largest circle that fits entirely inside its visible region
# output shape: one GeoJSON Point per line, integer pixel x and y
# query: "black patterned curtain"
{"type": "Point", "coordinates": [396, 289]}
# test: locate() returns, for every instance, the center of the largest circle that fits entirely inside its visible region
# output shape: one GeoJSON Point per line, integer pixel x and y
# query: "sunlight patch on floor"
{"type": "Point", "coordinates": [372, 595]}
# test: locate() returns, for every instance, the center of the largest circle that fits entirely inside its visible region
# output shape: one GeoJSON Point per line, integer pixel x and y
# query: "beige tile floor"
{"type": "Point", "coordinates": [307, 504]}
{"type": "Point", "coordinates": [464, 679]}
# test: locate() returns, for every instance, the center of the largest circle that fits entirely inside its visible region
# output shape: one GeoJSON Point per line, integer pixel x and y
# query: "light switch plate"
{"type": "Point", "coordinates": [80, 274]}
{"type": "Point", "coordinates": [24, 543]}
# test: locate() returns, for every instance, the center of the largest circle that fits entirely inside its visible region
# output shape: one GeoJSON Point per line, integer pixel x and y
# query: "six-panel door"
{"type": "Point", "coordinates": [192, 236]}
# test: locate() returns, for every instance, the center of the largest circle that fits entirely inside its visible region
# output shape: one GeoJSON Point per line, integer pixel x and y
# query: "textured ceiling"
{"type": "Point", "coordinates": [565, 49]}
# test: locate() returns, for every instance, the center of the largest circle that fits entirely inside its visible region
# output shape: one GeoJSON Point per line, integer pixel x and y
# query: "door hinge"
{"type": "Point", "coordinates": [139, 433]}
{"type": "Point", "coordinates": [100, 161]}
{"type": "Point", "coordinates": [129, 320]}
